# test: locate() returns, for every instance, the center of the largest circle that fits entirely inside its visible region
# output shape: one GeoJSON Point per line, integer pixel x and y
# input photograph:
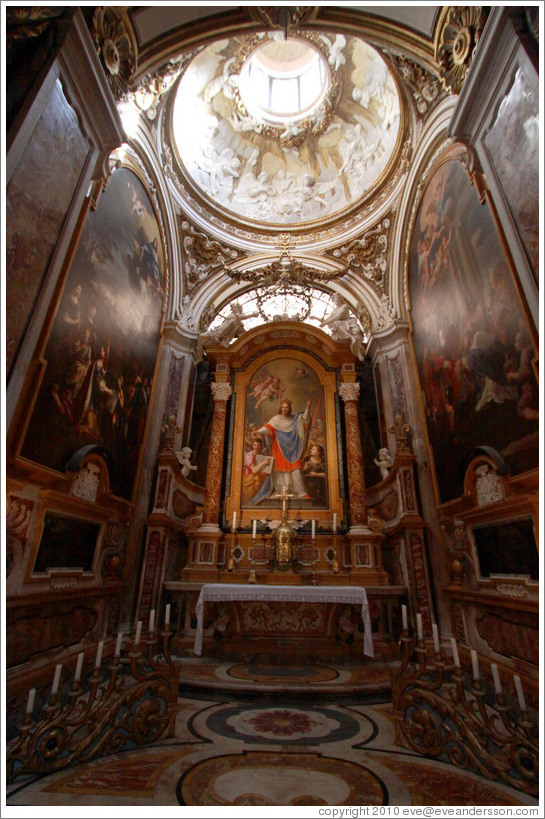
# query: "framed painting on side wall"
{"type": "Point", "coordinates": [102, 347]}
{"type": "Point", "coordinates": [473, 346]}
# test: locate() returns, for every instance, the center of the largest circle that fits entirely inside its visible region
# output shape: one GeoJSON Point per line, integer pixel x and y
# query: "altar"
{"type": "Point", "coordinates": [220, 592]}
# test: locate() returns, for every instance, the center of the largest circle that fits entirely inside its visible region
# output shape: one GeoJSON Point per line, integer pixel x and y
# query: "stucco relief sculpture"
{"type": "Point", "coordinates": [353, 125]}
{"type": "Point", "coordinates": [344, 327]}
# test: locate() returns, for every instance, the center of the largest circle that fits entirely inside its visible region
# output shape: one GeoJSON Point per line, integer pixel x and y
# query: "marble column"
{"type": "Point", "coordinates": [221, 393]}
{"type": "Point", "coordinates": [349, 393]}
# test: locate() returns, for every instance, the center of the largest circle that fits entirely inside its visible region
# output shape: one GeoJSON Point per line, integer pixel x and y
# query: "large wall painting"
{"type": "Point", "coordinates": [103, 343]}
{"type": "Point", "coordinates": [473, 346]}
{"type": "Point", "coordinates": [284, 436]}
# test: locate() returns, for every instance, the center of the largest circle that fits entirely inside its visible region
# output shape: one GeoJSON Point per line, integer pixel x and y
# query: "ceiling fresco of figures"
{"type": "Point", "coordinates": [289, 131]}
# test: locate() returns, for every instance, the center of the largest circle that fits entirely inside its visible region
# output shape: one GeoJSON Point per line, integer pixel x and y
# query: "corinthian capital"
{"type": "Point", "coordinates": [349, 391]}
{"type": "Point", "coordinates": [221, 391]}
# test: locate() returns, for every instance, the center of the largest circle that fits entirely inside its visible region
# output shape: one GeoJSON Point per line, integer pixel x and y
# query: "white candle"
{"type": "Point", "coordinates": [152, 620]}
{"type": "Point", "coordinates": [79, 664]}
{"type": "Point", "coordinates": [404, 617]}
{"type": "Point", "coordinates": [313, 529]}
{"type": "Point", "coordinates": [167, 614]}
{"type": "Point", "coordinates": [56, 679]}
{"type": "Point", "coordinates": [334, 521]}
{"type": "Point", "coordinates": [455, 657]}
{"type": "Point", "coordinates": [30, 701]}
{"type": "Point", "coordinates": [119, 643]}
{"type": "Point", "coordinates": [496, 678]}
{"type": "Point", "coordinates": [234, 520]}
{"type": "Point", "coordinates": [419, 631]}
{"type": "Point", "coordinates": [520, 692]}
{"type": "Point", "coordinates": [99, 654]}
{"type": "Point", "coordinates": [254, 529]}
{"type": "Point", "coordinates": [138, 632]}
{"type": "Point", "coordinates": [435, 634]}
{"type": "Point", "coordinates": [475, 664]}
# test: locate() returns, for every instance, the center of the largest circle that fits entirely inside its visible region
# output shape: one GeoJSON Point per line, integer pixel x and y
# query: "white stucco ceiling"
{"type": "Point", "coordinates": [298, 171]}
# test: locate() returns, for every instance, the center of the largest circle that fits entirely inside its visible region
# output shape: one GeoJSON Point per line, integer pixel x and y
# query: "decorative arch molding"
{"type": "Point", "coordinates": [432, 147]}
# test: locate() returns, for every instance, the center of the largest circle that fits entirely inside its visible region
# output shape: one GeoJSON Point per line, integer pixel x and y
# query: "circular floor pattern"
{"type": "Point", "coordinates": [272, 673]}
{"type": "Point", "coordinates": [283, 724]}
{"type": "Point", "coordinates": [263, 778]}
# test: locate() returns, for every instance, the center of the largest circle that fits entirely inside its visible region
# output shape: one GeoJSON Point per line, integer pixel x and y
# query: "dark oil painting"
{"type": "Point", "coordinates": [473, 346]}
{"type": "Point", "coordinates": [102, 348]}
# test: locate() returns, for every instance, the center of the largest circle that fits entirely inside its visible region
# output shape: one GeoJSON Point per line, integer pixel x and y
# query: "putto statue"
{"type": "Point", "coordinates": [384, 462]}
{"type": "Point", "coordinates": [183, 457]}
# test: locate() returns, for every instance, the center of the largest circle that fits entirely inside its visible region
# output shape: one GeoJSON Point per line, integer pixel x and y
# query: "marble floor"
{"type": "Point", "coordinates": [260, 736]}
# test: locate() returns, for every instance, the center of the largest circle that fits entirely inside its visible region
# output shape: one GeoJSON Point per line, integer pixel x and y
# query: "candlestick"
{"type": "Point", "coordinates": [254, 529]}
{"type": "Point", "coordinates": [334, 521]}
{"type": "Point", "coordinates": [56, 679]}
{"type": "Point", "coordinates": [30, 701]}
{"type": "Point", "coordinates": [404, 617]}
{"type": "Point", "coordinates": [419, 630]}
{"type": "Point", "coordinates": [475, 664]}
{"type": "Point", "coordinates": [119, 643]}
{"type": "Point", "coordinates": [455, 657]}
{"type": "Point", "coordinates": [79, 664]}
{"type": "Point", "coordinates": [234, 520]}
{"type": "Point", "coordinates": [100, 649]}
{"type": "Point", "coordinates": [313, 529]}
{"type": "Point", "coordinates": [138, 632]}
{"type": "Point", "coordinates": [151, 626]}
{"type": "Point", "coordinates": [496, 677]}
{"type": "Point", "coordinates": [520, 692]}
{"type": "Point", "coordinates": [167, 614]}
{"type": "Point", "coordinates": [434, 631]}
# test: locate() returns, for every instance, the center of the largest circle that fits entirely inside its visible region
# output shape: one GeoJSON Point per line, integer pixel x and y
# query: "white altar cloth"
{"type": "Point", "coordinates": [215, 592]}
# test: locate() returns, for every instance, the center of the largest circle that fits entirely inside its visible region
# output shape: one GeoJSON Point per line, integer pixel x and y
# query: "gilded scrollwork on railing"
{"type": "Point", "coordinates": [440, 711]}
{"type": "Point", "coordinates": [133, 704]}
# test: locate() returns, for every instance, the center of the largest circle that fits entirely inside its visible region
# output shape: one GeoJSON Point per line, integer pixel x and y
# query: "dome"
{"type": "Point", "coordinates": [286, 132]}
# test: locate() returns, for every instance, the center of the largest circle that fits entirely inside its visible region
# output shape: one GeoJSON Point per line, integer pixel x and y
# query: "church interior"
{"type": "Point", "coordinates": [271, 406]}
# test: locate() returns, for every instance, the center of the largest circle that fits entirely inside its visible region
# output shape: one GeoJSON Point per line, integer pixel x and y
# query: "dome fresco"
{"type": "Point", "coordinates": [286, 132]}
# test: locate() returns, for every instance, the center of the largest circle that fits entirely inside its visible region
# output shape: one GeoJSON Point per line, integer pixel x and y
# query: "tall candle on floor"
{"type": "Point", "coordinates": [56, 679]}
{"type": "Point", "coordinates": [313, 529]}
{"type": "Point", "coordinates": [404, 617]}
{"type": "Point", "coordinates": [152, 620]}
{"type": "Point", "coordinates": [119, 643]}
{"type": "Point", "coordinates": [234, 520]}
{"type": "Point", "coordinates": [100, 649]}
{"type": "Point", "coordinates": [496, 677]}
{"type": "Point", "coordinates": [520, 692]}
{"type": "Point", "coordinates": [167, 614]}
{"type": "Point", "coordinates": [138, 632]}
{"type": "Point", "coordinates": [30, 701]}
{"type": "Point", "coordinates": [435, 633]}
{"type": "Point", "coordinates": [455, 657]}
{"type": "Point", "coordinates": [475, 664]}
{"type": "Point", "coordinates": [79, 664]}
{"type": "Point", "coordinates": [254, 529]}
{"type": "Point", "coordinates": [419, 631]}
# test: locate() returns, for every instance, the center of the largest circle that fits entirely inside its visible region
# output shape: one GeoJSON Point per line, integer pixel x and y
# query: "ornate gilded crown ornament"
{"type": "Point", "coordinates": [116, 45]}
{"type": "Point", "coordinates": [458, 32]}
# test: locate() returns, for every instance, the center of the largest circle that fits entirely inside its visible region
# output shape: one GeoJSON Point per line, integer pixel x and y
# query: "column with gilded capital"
{"type": "Point", "coordinates": [349, 393]}
{"type": "Point", "coordinates": [221, 392]}
{"type": "Point", "coordinates": [365, 544]}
